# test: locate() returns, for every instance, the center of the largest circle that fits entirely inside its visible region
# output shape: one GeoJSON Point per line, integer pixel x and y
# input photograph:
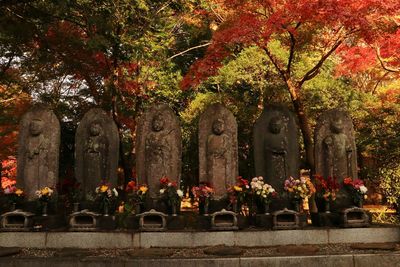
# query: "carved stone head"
{"type": "Point", "coordinates": [218, 126]}
{"type": "Point", "coordinates": [95, 129]}
{"type": "Point", "coordinates": [158, 122]}
{"type": "Point", "coordinates": [275, 125]}
{"type": "Point", "coordinates": [36, 127]}
{"type": "Point", "coordinates": [336, 125]}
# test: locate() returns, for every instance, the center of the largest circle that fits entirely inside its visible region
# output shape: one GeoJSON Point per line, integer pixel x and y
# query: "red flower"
{"type": "Point", "coordinates": [164, 180]}
{"type": "Point", "coordinates": [130, 186]}
{"type": "Point", "coordinates": [348, 181]}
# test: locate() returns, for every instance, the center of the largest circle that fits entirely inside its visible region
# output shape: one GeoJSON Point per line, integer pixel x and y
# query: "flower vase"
{"type": "Point", "coordinates": [137, 208]}
{"type": "Point", "coordinates": [235, 207]}
{"type": "Point", "coordinates": [105, 210]}
{"type": "Point", "coordinates": [327, 206]}
{"type": "Point", "coordinates": [296, 204]}
{"type": "Point", "coordinates": [44, 209]}
{"type": "Point", "coordinates": [174, 210]}
{"type": "Point", "coordinates": [359, 203]}
{"type": "Point", "coordinates": [204, 207]}
{"type": "Point", "coordinates": [266, 208]}
{"type": "Point", "coordinates": [13, 206]}
{"type": "Point", "coordinates": [75, 207]}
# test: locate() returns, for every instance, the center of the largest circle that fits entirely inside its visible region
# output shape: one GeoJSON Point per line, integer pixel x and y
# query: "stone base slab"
{"type": "Point", "coordinates": [183, 239]}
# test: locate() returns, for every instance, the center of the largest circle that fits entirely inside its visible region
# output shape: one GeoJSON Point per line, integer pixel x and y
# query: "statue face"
{"type": "Point", "coordinates": [36, 127]}
{"type": "Point", "coordinates": [95, 129]}
{"type": "Point", "coordinates": [275, 125]}
{"type": "Point", "coordinates": [158, 123]}
{"type": "Point", "coordinates": [337, 126]}
{"type": "Point", "coordinates": [218, 127]}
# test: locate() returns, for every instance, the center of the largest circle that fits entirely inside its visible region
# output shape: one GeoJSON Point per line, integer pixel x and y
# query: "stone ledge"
{"type": "Point", "coordinates": [198, 239]}
{"type": "Point", "coordinates": [365, 260]}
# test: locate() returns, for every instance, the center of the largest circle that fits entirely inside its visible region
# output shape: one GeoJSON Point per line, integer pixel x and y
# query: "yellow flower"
{"type": "Point", "coordinates": [237, 188]}
{"type": "Point", "coordinates": [45, 191]}
{"type": "Point", "coordinates": [19, 192]}
{"type": "Point", "coordinates": [103, 188]}
{"type": "Point", "coordinates": [143, 189]}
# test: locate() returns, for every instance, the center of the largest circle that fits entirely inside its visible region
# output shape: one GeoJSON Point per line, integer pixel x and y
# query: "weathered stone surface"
{"type": "Point", "coordinates": [150, 253]}
{"type": "Point", "coordinates": [5, 252]}
{"type": "Point", "coordinates": [298, 250]}
{"type": "Point", "coordinates": [276, 149]}
{"type": "Point", "coordinates": [158, 147]}
{"type": "Point", "coordinates": [38, 151]}
{"type": "Point", "coordinates": [218, 148]}
{"type": "Point", "coordinates": [335, 151]}
{"type": "Point", "coordinates": [72, 252]}
{"type": "Point", "coordinates": [223, 251]}
{"type": "Point", "coordinates": [96, 150]}
{"type": "Point", "coordinates": [375, 246]}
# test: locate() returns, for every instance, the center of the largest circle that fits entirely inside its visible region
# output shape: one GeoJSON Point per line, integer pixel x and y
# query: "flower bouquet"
{"type": "Point", "coordinates": [326, 189]}
{"type": "Point", "coordinates": [357, 189]}
{"type": "Point", "coordinates": [170, 194]}
{"type": "Point", "coordinates": [13, 194]}
{"type": "Point", "coordinates": [44, 196]}
{"type": "Point", "coordinates": [239, 193]}
{"type": "Point", "coordinates": [136, 196]}
{"type": "Point", "coordinates": [105, 195]}
{"type": "Point", "coordinates": [203, 193]}
{"type": "Point", "coordinates": [298, 190]}
{"type": "Point", "coordinates": [262, 192]}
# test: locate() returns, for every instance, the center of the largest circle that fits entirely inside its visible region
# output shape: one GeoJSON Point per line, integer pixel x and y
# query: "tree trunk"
{"type": "Point", "coordinates": [303, 123]}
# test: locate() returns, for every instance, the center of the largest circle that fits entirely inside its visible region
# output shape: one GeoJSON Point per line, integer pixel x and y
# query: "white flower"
{"type": "Point", "coordinates": [247, 186]}
{"type": "Point", "coordinates": [271, 190]}
{"type": "Point", "coordinates": [38, 193]}
{"type": "Point", "coordinates": [169, 184]}
{"type": "Point", "coordinates": [162, 191]}
{"type": "Point", "coordinates": [97, 189]}
{"type": "Point", "coordinates": [363, 189]}
{"type": "Point", "coordinates": [115, 192]}
{"type": "Point", "coordinates": [179, 192]}
{"type": "Point", "coordinates": [254, 180]}
{"type": "Point", "coordinates": [260, 178]}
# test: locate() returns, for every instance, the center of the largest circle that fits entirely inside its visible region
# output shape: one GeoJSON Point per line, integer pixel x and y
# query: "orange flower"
{"type": "Point", "coordinates": [348, 181]}
{"type": "Point", "coordinates": [6, 182]}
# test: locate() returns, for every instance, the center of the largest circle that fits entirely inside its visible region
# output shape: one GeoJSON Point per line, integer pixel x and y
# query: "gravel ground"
{"type": "Point", "coordinates": [330, 249]}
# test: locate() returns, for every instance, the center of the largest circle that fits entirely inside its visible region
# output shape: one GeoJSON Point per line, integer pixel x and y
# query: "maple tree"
{"type": "Point", "coordinates": [73, 55]}
{"type": "Point", "coordinates": [286, 30]}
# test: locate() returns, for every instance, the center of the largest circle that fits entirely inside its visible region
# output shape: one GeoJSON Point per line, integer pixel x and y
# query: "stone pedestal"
{"type": "Point", "coordinates": [323, 219]}
{"type": "Point", "coordinates": [354, 217]}
{"type": "Point", "coordinates": [176, 222]}
{"type": "Point", "coordinates": [224, 220]}
{"type": "Point", "coordinates": [17, 220]}
{"type": "Point", "coordinates": [84, 221]}
{"type": "Point", "coordinates": [107, 223]}
{"type": "Point", "coordinates": [50, 222]}
{"type": "Point", "coordinates": [264, 221]}
{"type": "Point", "coordinates": [153, 221]}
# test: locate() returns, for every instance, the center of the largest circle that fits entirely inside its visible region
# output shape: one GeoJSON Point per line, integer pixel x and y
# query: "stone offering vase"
{"type": "Point", "coordinates": [204, 205]}
{"type": "Point", "coordinates": [327, 206]}
{"type": "Point", "coordinates": [296, 204]}
{"type": "Point", "coordinates": [45, 206]}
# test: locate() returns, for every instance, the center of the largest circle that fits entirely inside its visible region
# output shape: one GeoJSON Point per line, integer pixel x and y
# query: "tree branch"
{"type": "Point", "coordinates": [189, 49]}
{"type": "Point", "coordinates": [315, 70]}
{"type": "Point", "coordinates": [276, 63]}
{"type": "Point", "coordinates": [381, 61]}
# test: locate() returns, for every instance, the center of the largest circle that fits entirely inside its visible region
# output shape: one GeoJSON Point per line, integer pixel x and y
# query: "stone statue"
{"type": "Point", "coordinates": [38, 151]}
{"type": "Point", "coordinates": [158, 147]}
{"type": "Point", "coordinates": [157, 150]}
{"type": "Point", "coordinates": [335, 149]}
{"type": "Point", "coordinates": [218, 150]}
{"type": "Point", "coordinates": [96, 150]}
{"type": "Point", "coordinates": [276, 148]}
